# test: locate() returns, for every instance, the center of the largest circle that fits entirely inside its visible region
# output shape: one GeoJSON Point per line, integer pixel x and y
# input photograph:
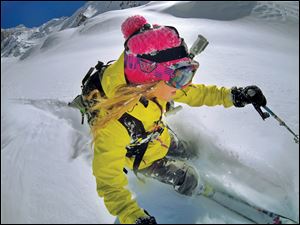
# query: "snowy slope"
{"type": "Point", "coordinates": [17, 41]}
{"type": "Point", "coordinates": [46, 174]}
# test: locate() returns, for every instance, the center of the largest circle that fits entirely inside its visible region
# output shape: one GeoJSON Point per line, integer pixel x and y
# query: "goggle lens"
{"type": "Point", "coordinates": [183, 75]}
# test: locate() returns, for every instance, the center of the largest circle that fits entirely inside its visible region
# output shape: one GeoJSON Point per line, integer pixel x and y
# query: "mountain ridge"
{"type": "Point", "coordinates": [17, 41]}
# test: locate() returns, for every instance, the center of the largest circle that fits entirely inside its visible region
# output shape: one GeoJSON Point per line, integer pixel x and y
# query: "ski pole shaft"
{"type": "Point", "coordinates": [282, 123]}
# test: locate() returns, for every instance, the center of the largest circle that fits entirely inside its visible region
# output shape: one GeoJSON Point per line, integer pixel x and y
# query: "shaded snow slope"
{"type": "Point", "coordinates": [46, 174]}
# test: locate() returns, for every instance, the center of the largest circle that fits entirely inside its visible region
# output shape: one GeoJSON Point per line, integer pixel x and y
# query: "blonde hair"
{"type": "Point", "coordinates": [125, 98]}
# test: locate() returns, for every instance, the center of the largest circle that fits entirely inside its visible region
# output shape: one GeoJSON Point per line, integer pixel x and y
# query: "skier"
{"type": "Point", "coordinates": [129, 132]}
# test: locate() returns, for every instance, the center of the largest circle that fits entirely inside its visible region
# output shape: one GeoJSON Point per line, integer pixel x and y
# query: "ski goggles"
{"type": "Point", "coordinates": [183, 74]}
{"type": "Point", "coordinates": [177, 75]}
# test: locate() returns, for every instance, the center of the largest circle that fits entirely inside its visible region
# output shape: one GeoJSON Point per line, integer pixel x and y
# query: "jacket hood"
{"type": "Point", "coordinates": [113, 77]}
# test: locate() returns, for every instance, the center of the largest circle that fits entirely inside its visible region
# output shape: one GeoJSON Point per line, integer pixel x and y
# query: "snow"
{"type": "Point", "coordinates": [46, 154]}
{"type": "Point", "coordinates": [19, 40]}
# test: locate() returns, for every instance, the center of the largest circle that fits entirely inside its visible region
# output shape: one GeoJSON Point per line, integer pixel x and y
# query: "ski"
{"type": "Point", "coordinates": [252, 213]}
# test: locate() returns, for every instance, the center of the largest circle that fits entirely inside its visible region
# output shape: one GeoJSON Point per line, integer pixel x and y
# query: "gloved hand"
{"type": "Point", "coordinates": [146, 220]}
{"type": "Point", "coordinates": [250, 94]}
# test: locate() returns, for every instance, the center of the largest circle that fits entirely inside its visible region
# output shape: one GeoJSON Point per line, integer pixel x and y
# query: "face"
{"type": "Point", "coordinates": [164, 91]}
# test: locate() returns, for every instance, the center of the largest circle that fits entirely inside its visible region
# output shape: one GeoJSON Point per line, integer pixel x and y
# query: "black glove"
{"type": "Point", "coordinates": [146, 220]}
{"type": "Point", "coordinates": [248, 95]}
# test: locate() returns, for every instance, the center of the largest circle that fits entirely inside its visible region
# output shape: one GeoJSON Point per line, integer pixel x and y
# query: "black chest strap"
{"type": "Point", "coordinates": [138, 135]}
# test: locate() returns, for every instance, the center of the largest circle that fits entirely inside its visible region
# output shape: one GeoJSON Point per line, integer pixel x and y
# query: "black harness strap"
{"type": "Point", "coordinates": [136, 130]}
{"type": "Point", "coordinates": [159, 106]}
{"type": "Point", "coordinates": [139, 137]}
{"type": "Point", "coordinates": [139, 157]}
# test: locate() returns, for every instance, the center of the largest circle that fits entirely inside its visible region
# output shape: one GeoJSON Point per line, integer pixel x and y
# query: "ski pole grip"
{"type": "Point", "coordinates": [263, 115]}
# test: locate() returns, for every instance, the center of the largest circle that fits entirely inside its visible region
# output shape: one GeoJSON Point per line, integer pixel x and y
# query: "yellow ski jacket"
{"type": "Point", "coordinates": [110, 148]}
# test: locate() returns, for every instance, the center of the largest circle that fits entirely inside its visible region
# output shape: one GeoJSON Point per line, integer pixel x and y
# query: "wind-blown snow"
{"type": "Point", "coordinates": [46, 174]}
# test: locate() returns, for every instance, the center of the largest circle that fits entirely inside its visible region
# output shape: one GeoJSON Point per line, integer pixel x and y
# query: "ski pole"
{"type": "Point", "coordinates": [265, 115]}
{"type": "Point", "coordinates": [282, 123]}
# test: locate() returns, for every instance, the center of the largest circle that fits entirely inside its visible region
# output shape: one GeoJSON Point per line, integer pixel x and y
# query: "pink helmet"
{"type": "Point", "coordinates": [147, 46]}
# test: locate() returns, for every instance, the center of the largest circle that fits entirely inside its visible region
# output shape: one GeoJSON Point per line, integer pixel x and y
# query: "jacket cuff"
{"type": "Point", "coordinates": [228, 101]}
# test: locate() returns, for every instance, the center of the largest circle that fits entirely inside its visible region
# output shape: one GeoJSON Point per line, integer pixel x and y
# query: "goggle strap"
{"type": "Point", "coordinates": [167, 55]}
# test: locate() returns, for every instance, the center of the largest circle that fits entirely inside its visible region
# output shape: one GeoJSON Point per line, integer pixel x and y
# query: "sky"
{"type": "Point", "coordinates": [35, 13]}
